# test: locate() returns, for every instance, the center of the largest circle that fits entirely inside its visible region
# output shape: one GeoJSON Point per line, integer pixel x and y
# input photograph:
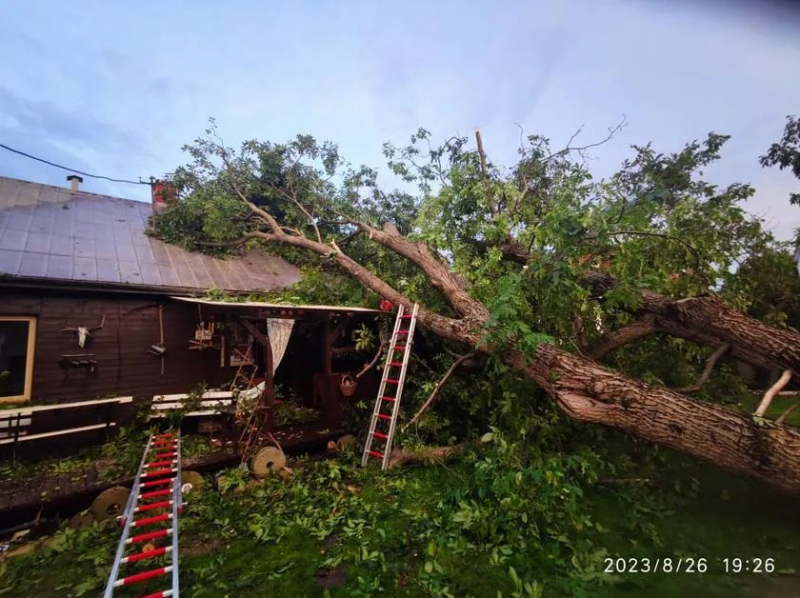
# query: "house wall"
{"type": "Point", "coordinates": [121, 348]}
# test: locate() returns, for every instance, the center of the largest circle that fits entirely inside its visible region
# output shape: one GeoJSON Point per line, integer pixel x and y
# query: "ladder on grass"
{"type": "Point", "coordinates": [391, 389]}
{"type": "Point", "coordinates": [156, 489]}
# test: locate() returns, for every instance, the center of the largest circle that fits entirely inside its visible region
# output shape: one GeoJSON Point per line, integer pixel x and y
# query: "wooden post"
{"type": "Point", "coordinates": [268, 398]}
{"type": "Point", "coordinates": [331, 408]}
{"type": "Point", "coordinates": [327, 352]}
{"type": "Point", "coordinates": [267, 401]}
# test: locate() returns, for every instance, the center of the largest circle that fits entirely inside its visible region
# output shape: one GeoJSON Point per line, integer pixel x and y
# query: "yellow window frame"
{"type": "Point", "coordinates": [31, 352]}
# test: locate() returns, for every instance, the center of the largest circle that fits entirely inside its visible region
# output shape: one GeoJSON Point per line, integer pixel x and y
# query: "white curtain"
{"type": "Point", "coordinates": [279, 331]}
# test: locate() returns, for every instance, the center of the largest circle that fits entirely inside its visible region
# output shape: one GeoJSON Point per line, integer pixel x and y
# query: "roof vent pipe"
{"type": "Point", "coordinates": [74, 181]}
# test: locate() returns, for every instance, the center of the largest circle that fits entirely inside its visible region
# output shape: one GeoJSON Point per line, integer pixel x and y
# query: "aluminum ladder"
{"type": "Point", "coordinates": [394, 375]}
{"type": "Point", "coordinates": [157, 487]}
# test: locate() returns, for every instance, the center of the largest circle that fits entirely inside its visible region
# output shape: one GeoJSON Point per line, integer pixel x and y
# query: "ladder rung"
{"type": "Point", "coordinates": [392, 381]}
{"type": "Point", "coordinates": [165, 443]}
{"type": "Point", "coordinates": [395, 364]}
{"type": "Point", "coordinates": [150, 520]}
{"type": "Point", "coordinates": [165, 435]}
{"type": "Point", "coordinates": [165, 455]}
{"type": "Point", "coordinates": [149, 536]}
{"type": "Point", "coordinates": [158, 472]}
{"type": "Point", "coordinates": [126, 581]}
{"type": "Point", "coordinates": [399, 347]}
{"type": "Point", "coordinates": [402, 332]}
{"type": "Point", "coordinates": [152, 506]}
{"type": "Point", "coordinates": [146, 554]}
{"type": "Point", "coordinates": [160, 463]}
{"type": "Point", "coordinates": [152, 483]}
{"type": "Point", "coordinates": [164, 594]}
{"type": "Point", "coordinates": [155, 493]}
{"type": "Point", "coordinates": [389, 399]}
{"type": "Point", "coordinates": [380, 435]}
{"type": "Point", "coordinates": [376, 454]}
{"type": "Point", "coordinates": [406, 316]}
{"type": "Point", "coordinates": [383, 416]}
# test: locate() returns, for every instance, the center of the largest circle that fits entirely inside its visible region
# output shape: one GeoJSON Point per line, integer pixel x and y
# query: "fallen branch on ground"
{"type": "Point", "coordinates": [399, 457]}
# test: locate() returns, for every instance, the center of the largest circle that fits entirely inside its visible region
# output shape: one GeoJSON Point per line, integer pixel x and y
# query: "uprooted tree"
{"type": "Point", "coordinates": [538, 266]}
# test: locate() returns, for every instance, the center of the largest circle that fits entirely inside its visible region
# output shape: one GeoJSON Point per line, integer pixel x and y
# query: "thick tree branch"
{"type": "Point", "coordinates": [704, 320]}
{"type": "Point", "coordinates": [637, 329]}
{"type": "Point", "coordinates": [712, 361]}
{"type": "Point", "coordinates": [438, 272]}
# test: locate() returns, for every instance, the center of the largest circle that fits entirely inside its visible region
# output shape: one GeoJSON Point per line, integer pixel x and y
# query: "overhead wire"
{"type": "Point", "coordinates": [94, 176]}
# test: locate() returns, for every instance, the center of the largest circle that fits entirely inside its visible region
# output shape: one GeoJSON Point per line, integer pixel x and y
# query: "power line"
{"type": "Point", "coordinates": [94, 176]}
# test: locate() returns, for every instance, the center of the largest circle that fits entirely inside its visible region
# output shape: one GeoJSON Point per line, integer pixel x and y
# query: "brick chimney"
{"type": "Point", "coordinates": [74, 182]}
{"type": "Point", "coordinates": [162, 193]}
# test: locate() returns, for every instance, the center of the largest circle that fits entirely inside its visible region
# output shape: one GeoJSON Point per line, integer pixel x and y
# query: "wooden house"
{"type": "Point", "coordinates": [92, 306]}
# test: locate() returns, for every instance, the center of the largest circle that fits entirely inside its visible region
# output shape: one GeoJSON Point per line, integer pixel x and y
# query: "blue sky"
{"type": "Point", "coordinates": [117, 89]}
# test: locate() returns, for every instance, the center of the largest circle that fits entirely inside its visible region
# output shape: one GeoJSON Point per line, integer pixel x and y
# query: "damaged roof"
{"type": "Point", "coordinates": [50, 234]}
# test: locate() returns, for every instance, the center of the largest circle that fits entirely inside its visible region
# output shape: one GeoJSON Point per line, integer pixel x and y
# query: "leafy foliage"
{"type": "Point", "coordinates": [786, 152]}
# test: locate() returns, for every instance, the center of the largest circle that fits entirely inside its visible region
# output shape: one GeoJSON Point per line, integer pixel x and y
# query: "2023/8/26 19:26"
{"type": "Point", "coordinates": [618, 565]}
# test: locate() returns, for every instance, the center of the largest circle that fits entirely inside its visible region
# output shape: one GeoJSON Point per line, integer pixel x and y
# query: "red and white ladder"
{"type": "Point", "coordinates": [157, 492]}
{"type": "Point", "coordinates": [391, 389]}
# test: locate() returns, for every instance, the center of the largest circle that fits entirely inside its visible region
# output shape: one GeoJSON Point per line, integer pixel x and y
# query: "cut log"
{"type": "Point", "coordinates": [267, 461]}
{"type": "Point", "coordinates": [109, 503]}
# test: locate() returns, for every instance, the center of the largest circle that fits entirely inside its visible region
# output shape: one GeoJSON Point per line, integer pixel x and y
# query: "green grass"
{"type": "Point", "coordinates": [397, 534]}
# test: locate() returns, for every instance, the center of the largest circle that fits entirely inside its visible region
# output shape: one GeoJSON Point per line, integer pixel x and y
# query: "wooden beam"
{"type": "Point", "coordinates": [262, 339]}
{"type": "Point", "coordinates": [268, 397]}
{"type": "Point", "coordinates": [327, 344]}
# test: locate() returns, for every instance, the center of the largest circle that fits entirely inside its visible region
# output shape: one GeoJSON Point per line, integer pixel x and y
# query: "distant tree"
{"type": "Point", "coordinates": [786, 152]}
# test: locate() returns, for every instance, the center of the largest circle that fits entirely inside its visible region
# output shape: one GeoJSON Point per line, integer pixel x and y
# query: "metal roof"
{"type": "Point", "coordinates": [50, 234]}
{"type": "Point", "coordinates": [246, 305]}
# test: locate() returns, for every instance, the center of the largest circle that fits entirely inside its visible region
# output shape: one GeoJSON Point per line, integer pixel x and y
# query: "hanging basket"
{"type": "Point", "coordinates": [348, 386]}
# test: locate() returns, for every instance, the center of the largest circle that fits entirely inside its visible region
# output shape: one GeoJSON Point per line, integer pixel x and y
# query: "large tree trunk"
{"type": "Point", "coordinates": [707, 321]}
{"type": "Point", "coordinates": [588, 392]}
{"type": "Point", "coordinates": [730, 439]}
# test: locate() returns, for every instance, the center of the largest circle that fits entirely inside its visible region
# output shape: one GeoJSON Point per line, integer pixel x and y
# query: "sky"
{"type": "Point", "coordinates": [116, 89]}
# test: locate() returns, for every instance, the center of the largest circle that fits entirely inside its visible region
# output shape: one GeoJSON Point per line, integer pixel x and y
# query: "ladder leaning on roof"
{"type": "Point", "coordinates": [396, 366]}
{"type": "Point", "coordinates": [157, 487]}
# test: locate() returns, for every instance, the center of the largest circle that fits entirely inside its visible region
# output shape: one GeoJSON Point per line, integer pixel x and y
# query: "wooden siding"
{"type": "Point", "coordinates": [125, 365]}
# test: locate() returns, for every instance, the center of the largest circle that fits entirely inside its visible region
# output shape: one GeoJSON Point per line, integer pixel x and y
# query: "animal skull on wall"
{"type": "Point", "coordinates": [84, 332]}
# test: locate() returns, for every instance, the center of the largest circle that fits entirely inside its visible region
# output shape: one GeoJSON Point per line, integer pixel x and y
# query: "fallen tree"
{"type": "Point", "coordinates": [582, 388]}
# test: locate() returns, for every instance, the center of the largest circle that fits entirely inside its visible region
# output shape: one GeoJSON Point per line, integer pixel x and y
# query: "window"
{"type": "Point", "coordinates": [17, 341]}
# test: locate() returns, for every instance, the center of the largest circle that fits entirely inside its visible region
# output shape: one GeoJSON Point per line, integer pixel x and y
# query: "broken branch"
{"type": "Point", "coordinates": [372, 363]}
{"type": "Point", "coordinates": [786, 413]}
{"type": "Point", "coordinates": [438, 389]}
{"type": "Point", "coordinates": [712, 361]}
{"type": "Point", "coordinates": [399, 458]}
{"type": "Point", "coordinates": [770, 394]}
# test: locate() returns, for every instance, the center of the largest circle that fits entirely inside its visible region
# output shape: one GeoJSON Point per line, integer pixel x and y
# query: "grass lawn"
{"type": "Point", "coordinates": [431, 530]}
